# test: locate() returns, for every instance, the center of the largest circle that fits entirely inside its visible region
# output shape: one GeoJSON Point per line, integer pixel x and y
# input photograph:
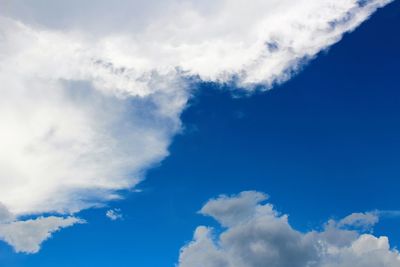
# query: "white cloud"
{"type": "Point", "coordinates": [114, 214]}
{"type": "Point", "coordinates": [27, 236]}
{"type": "Point", "coordinates": [257, 42]}
{"type": "Point", "coordinates": [76, 129]}
{"type": "Point", "coordinates": [265, 238]}
{"type": "Point", "coordinates": [89, 104]}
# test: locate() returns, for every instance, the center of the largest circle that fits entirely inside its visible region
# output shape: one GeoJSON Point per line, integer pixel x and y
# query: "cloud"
{"type": "Point", "coordinates": [361, 220]}
{"type": "Point", "coordinates": [27, 235]}
{"type": "Point", "coordinates": [89, 104]}
{"type": "Point", "coordinates": [114, 214]}
{"type": "Point", "coordinates": [76, 129]}
{"type": "Point", "coordinates": [5, 215]}
{"type": "Point", "coordinates": [264, 237]}
{"type": "Point", "coordinates": [259, 43]}
{"type": "Point", "coordinates": [229, 211]}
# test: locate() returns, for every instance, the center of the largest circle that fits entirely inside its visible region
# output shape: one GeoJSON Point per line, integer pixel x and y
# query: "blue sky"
{"type": "Point", "coordinates": [323, 145]}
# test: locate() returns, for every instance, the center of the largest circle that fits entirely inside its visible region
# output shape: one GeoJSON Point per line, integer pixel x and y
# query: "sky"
{"type": "Point", "coordinates": [209, 134]}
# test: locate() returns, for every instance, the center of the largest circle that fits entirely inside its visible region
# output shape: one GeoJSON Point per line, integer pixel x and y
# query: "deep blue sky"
{"type": "Point", "coordinates": [325, 144]}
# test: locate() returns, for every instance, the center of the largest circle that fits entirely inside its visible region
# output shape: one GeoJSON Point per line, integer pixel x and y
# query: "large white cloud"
{"type": "Point", "coordinates": [255, 235]}
{"type": "Point", "coordinates": [73, 126]}
{"type": "Point", "coordinates": [92, 91]}
{"type": "Point", "coordinates": [255, 42]}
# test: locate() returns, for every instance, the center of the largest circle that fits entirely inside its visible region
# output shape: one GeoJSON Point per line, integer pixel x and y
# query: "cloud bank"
{"type": "Point", "coordinates": [256, 235]}
{"type": "Point", "coordinates": [89, 104]}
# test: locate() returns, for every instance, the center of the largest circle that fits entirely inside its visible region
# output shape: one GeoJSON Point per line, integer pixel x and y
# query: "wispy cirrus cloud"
{"type": "Point", "coordinates": [88, 104]}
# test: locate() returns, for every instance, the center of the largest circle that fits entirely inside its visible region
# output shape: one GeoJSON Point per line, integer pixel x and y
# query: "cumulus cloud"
{"type": "Point", "coordinates": [264, 237]}
{"type": "Point", "coordinates": [253, 43]}
{"type": "Point", "coordinates": [89, 104]}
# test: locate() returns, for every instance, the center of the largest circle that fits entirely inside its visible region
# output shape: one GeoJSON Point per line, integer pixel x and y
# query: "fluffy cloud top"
{"type": "Point", "coordinates": [263, 237]}
{"type": "Point", "coordinates": [89, 104]}
{"type": "Point", "coordinates": [253, 42]}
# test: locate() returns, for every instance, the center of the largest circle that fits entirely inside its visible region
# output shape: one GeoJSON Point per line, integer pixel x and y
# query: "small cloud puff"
{"type": "Point", "coordinates": [114, 214]}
